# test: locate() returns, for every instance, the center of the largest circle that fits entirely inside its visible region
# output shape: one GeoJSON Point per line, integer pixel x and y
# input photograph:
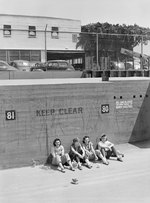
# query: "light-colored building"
{"type": "Point", "coordinates": [37, 38]}
{"type": "Point", "coordinates": [145, 48]}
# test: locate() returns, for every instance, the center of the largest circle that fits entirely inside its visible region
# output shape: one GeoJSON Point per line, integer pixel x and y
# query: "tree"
{"type": "Point", "coordinates": [111, 38]}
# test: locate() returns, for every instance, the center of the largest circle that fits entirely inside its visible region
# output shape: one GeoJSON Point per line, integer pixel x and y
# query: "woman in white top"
{"type": "Point", "coordinates": [108, 149]}
{"type": "Point", "coordinates": [90, 152]}
{"type": "Point", "coordinates": [59, 157]}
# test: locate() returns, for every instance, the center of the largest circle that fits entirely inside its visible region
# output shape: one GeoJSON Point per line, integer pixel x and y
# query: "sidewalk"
{"type": "Point", "coordinates": [120, 182]}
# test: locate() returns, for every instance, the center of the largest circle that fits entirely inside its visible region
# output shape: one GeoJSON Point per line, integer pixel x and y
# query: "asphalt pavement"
{"type": "Point", "coordinates": [119, 182]}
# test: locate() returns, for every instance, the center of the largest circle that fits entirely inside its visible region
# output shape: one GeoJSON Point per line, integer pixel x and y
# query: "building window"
{"type": "Point", "coordinates": [7, 30]}
{"type": "Point", "coordinates": [13, 55]}
{"type": "Point", "coordinates": [35, 55]}
{"type": "Point", "coordinates": [3, 55]}
{"type": "Point", "coordinates": [29, 55]}
{"type": "Point", "coordinates": [55, 33]}
{"type": "Point", "coordinates": [25, 55]}
{"type": "Point", "coordinates": [32, 31]}
{"type": "Point", "coordinates": [74, 38]}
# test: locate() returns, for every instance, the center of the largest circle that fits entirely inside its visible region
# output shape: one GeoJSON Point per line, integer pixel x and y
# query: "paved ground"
{"type": "Point", "coordinates": [127, 182]}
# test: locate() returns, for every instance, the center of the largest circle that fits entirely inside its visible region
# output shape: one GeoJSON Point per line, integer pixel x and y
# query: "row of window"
{"type": "Point", "coordinates": [29, 55]}
{"type": "Point", "coordinates": [32, 32]}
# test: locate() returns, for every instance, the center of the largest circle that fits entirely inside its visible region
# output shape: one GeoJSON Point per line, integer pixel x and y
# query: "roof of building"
{"type": "Point", "coordinates": [30, 16]}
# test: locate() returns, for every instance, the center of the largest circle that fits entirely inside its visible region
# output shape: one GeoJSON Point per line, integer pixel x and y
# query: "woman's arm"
{"type": "Point", "coordinates": [83, 152]}
{"type": "Point", "coordinates": [109, 144]}
{"type": "Point", "coordinates": [86, 151]}
{"type": "Point", "coordinates": [102, 145]}
{"type": "Point", "coordinates": [74, 151]}
{"type": "Point", "coordinates": [92, 149]}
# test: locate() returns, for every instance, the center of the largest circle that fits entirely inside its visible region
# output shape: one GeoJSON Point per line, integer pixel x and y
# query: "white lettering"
{"type": "Point", "coordinates": [124, 104]}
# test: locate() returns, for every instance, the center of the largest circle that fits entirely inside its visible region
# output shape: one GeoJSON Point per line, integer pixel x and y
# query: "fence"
{"type": "Point", "coordinates": [96, 51]}
{"type": "Point", "coordinates": [115, 51]}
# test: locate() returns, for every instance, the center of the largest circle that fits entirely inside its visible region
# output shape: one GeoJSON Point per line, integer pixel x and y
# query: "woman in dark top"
{"type": "Point", "coordinates": [77, 154]}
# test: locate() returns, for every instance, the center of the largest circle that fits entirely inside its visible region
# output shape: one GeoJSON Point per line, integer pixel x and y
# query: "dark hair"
{"type": "Point", "coordinates": [76, 140]}
{"type": "Point", "coordinates": [103, 135]}
{"type": "Point", "coordinates": [54, 142]}
{"type": "Point", "coordinates": [85, 138]}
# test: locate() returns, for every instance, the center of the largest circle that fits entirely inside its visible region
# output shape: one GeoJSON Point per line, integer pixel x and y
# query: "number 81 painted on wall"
{"type": "Point", "coordinates": [10, 115]}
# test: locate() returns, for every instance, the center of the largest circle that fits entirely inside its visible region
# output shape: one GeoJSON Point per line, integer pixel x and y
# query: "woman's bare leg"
{"type": "Point", "coordinates": [115, 152]}
{"type": "Point", "coordinates": [101, 156]}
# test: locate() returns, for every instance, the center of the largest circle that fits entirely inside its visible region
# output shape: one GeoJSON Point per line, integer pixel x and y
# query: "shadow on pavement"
{"type": "Point", "coordinates": [143, 144]}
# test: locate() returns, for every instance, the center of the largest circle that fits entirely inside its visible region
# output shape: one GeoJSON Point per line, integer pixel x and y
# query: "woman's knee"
{"type": "Point", "coordinates": [67, 157]}
{"type": "Point", "coordinates": [56, 160]}
{"type": "Point", "coordinates": [113, 149]}
{"type": "Point", "coordinates": [98, 152]}
{"type": "Point", "coordinates": [77, 158]}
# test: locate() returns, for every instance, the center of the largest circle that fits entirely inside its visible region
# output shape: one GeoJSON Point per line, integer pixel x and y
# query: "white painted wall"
{"type": "Point", "coordinates": [20, 39]}
{"type": "Point", "coordinates": [146, 48]}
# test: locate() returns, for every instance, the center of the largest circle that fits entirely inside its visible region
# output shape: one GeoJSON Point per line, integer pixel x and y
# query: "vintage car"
{"type": "Point", "coordinates": [53, 65]}
{"type": "Point", "coordinates": [21, 65]}
{"type": "Point", "coordinates": [4, 66]}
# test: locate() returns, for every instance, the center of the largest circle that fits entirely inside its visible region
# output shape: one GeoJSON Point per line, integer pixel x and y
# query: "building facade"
{"type": "Point", "coordinates": [35, 38]}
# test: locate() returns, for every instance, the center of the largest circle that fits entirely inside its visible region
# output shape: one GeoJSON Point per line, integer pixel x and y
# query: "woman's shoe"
{"type": "Point", "coordinates": [122, 155]}
{"type": "Point", "coordinates": [72, 169]}
{"type": "Point", "coordinates": [89, 166]}
{"type": "Point", "coordinates": [105, 162]}
{"type": "Point", "coordinates": [63, 170]}
{"type": "Point", "coordinates": [119, 159]}
{"type": "Point", "coordinates": [96, 158]}
{"type": "Point", "coordinates": [80, 167]}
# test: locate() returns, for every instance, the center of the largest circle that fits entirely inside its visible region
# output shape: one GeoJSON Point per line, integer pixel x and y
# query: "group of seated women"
{"type": "Point", "coordinates": [83, 153]}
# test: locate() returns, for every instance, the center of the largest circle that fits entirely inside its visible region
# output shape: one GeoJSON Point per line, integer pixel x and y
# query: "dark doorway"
{"type": "Point", "coordinates": [76, 58]}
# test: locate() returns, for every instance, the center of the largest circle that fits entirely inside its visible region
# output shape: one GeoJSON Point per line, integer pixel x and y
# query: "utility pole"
{"type": "Point", "coordinates": [45, 43]}
{"type": "Point", "coordinates": [141, 59]}
{"type": "Point", "coordinates": [97, 50]}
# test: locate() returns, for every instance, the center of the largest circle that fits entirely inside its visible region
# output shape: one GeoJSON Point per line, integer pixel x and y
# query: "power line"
{"type": "Point", "coordinates": [76, 32]}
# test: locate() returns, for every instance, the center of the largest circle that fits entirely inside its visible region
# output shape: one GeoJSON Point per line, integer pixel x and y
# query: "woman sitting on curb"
{"type": "Point", "coordinates": [77, 154]}
{"type": "Point", "coordinates": [59, 157]}
{"type": "Point", "coordinates": [90, 152]}
{"type": "Point", "coordinates": [108, 149]}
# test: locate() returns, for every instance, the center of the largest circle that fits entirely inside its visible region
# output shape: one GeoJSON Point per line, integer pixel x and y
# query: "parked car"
{"type": "Point", "coordinates": [32, 63]}
{"type": "Point", "coordinates": [136, 65]}
{"type": "Point", "coordinates": [21, 65]}
{"type": "Point", "coordinates": [38, 67]}
{"type": "Point", "coordinates": [129, 65]}
{"type": "Point", "coordinates": [78, 66]}
{"type": "Point", "coordinates": [4, 66]}
{"type": "Point", "coordinates": [114, 65]}
{"type": "Point", "coordinates": [53, 65]}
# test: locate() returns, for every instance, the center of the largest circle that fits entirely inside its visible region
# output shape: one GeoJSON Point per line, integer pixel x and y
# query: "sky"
{"type": "Point", "coordinates": [127, 12]}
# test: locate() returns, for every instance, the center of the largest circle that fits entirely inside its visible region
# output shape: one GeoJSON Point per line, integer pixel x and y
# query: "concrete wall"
{"type": "Point", "coordinates": [33, 115]}
{"type": "Point", "coordinates": [6, 75]}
